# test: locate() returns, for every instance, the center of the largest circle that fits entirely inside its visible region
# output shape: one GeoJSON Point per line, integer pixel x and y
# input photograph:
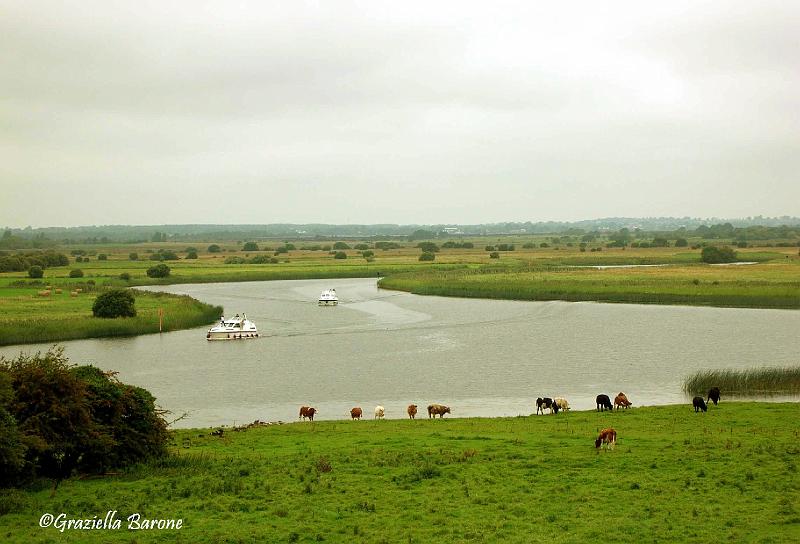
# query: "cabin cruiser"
{"type": "Point", "coordinates": [328, 298]}
{"type": "Point", "coordinates": [232, 328]}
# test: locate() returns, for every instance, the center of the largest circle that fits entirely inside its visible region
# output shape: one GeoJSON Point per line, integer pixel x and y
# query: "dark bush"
{"type": "Point", "coordinates": [125, 276]}
{"type": "Point", "coordinates": [367, 253]}
{"type": "Point", "coordinates": [35, 272]}
{"type": "Point", "coordinates": [115, 303]}
{"type": "Point", "coordinates": [340, 245]}
{"type": "Point", "coordinates": [261, 259]}
{"type": "Point", "coordinates": [133, 256]}
{"type": "Point", "coordinates": [361, 247]}
{"type": "Point", "coordinates": [340, 255]}
{"type": "Point", "coordinates": [494, 255]}
{"type": "Point", "coordinates": [741, 244]}
{"type": "Point", "coordinates": [528, 245]}
{"type": "Point", "coordinates": [489, 248]}
{"type": "Point", "coordinates": [427, 256]}
{"type": "Point", "coordinates": [78, 259]}
{"type": "Point", "coordinates": [76, 273]}
{"type": "Point", "coordinates": [428, 247]}
{"type": "Point", "coordinates": [158, 271]}
{"type": "Point", "coordinates": [681, 242]}
{"type": "Point", "coordinates": [250, 246]}
{"type": "Point", "coordinates": [235, 260]}
{"type": "Point", "coordinates": [715, 255]}
{"type": "Point", "coordinates": [102, 257]}
{"type": "Point", "coordinates": [214, 248]}
{"type": "Point", "coordinates": [385, 245]}
{"type": "Point", "coordinates": [191, 255]}
{"type": "Point", "coordinates": [12, 450]}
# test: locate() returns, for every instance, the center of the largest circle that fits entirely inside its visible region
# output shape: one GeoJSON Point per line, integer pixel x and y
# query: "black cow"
{"type": "Point", "coordinates": [603, 403]}
{"type": "Point", "coordinates": [547, 402]}
{"type": "Point", "coordinates": [699, 404]}
{"type": "Point", "coordinates": [713, 394]}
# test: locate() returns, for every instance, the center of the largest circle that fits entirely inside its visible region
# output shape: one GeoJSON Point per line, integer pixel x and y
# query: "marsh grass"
{"type": "Point", "coordinates": [749, 382]}
{"type": "Point", "coordinates": [675, 476]}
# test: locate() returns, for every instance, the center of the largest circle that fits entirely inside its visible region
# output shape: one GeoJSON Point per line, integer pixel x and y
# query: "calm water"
{"type": "Point", "coordinates": [482, 357]}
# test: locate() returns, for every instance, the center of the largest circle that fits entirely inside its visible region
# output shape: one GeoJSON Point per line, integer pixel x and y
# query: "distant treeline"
{"type": "Point", "coordinates": [17, 262]}
{"type": "Point", "coordinates": [751, 228]}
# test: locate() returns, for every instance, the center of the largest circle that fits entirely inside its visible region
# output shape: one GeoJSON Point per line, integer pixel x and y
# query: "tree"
{"type": "Point", "coordinates": [340, 245]}
{"type": "Point", "coordinates": [214, 248]}
{"type": "Point", "coordinates": [158, 271]}
{"type": "Point", "coordinates": [681, 242]}
{"type": "Point", "coordinates": [250, 246]}
{"type": "Point", "coordinates": [133, 256]}
{"type": "Point", "coordinates": [427, 256]}
{"type": "Point", "coordinates": [115, 303]}
{"type": "Point", "coordinates": [494, 255]}
{"type": "Point", "coordinates": [340, 255]}
{"type": "Point", "coordinates": [76, 273]}
{"type": "Point", "coordinates": [35, 272]}
{"type": "Point", "coordinates": [102, 257]}
{"type": "Point", "coordinates": [421, 234]}
{"type": "Point", "coordinates": [428, 247]}
{"type": "Point", "coordinates": [191, 255]}
{"type": "Point", "coordinates": [716, 255]}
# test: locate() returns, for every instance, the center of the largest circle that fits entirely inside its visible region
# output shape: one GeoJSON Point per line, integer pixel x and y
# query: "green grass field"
{"type": "Point", "coordinates": [729, 475]}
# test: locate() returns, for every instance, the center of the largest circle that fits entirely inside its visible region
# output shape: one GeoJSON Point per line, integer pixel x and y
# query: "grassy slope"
{"type": "Point", "coordinates": [675, 476]}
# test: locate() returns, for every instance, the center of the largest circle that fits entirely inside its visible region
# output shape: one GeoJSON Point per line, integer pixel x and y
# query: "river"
{"type": "Point", "coordinates": [481, 357]}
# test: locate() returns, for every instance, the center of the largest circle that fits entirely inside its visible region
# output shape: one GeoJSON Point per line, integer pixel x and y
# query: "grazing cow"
{"type": "Point", "coordinates": [699, 404]}
{"type": "Point", "coordinates": [603, 403]}
{"type": "Point", "coordinates": [355, 413]}
{"type": "Point", "coordinates": [713, 394]}
{"type": "Point", "coordinates": [546, 403]}
{"type": "Point", "coordinates": [607, 437]}
{"type": "Point", "coordinates": [307, 412]}
{"type": "Point", "coordinates": [621, 401]}
{"type": "Point", "coordinates": [562, 404]}
{"type": "Point", "coordinates": [437, 410]}
{"type": "Point", "coordinates": [379, 412]}
{"type": "Point", "coordinates": [412, 411]}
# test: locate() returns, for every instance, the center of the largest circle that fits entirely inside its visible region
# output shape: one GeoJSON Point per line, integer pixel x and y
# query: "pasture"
{"type": "Point", "coordinates": [674, 476]}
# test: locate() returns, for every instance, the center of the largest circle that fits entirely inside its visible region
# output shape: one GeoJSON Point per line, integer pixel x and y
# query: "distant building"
{"type": "Point", "coordinates": [452, 230]}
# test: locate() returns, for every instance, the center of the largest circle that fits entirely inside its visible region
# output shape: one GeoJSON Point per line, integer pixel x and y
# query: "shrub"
{"type": "Point", "coordinates": [76, 273]}
{"type": "Point", "coordinates": [250, 246]}
{"type": "Point", "coordinates": [191, 255]}
{"type": "Point", "coordinates": [427, 256]}
{"type": "Point", "coordinates": [214, 248]}
{"type": "Point", "coordinates": [681, 242]}
{"type": "Point", "coordinates": [340, 255]}
{"type": "Point", "coordinates": [741, 243]}
{"type": "Point", "coordinates": [489, 248]}
{"type": "Point", "coordinates": [361, 247]}
{"type": "Point", "coordinates": [714, 255]}
{"type": "Point", "coordinates": [262, 259]}
{"type": "Point", "coordinates": [78, 259]}
{"type": "Point", "coordinates": [326, 248]}
{"type": "Point", "coordinates": [235, 260]}
{"type": "Point", "coordinates": [544, 244]}
{"type": "Point", "coordinates": [528, 245]}
{"type": "Point", "coordinates": [367, 253]}
{"type": "Point", "coordinates": [125, 276]}
{"type": "Point", "coordinates": [158, 271]}
{"type": "Point", "coordinates": [386, 245]}
{"type": "Point", "coordinates": [494, 255]}
{"type": "Point", "coordinates": [428, 247]}
{"type": "Point", "coordinates": [133, 256]}
{"type": "Point", "coordinates": [190, 249]}
{"type": "Point", "coordinates": [35, 272]}
{"type": "Point", "coordinates": [102, 257]}
{"type": "Point", "coordinates": [340, 245]}
{"type": "Point", "coordinates": [115, 303]}
{"type": "Point", "coordinates": [12, 450]}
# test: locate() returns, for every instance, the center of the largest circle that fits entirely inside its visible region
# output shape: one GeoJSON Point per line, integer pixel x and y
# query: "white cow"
{"type": "Point", "coordinates": [562, 404]}
{"type": "Point", "coordinates": [379, 412]}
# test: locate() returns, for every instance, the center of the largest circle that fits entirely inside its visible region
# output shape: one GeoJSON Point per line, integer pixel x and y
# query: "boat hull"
{"type": "Point", "coordinates": [210, 336]}
{"type": "Point", "coordinates": [328, 302]}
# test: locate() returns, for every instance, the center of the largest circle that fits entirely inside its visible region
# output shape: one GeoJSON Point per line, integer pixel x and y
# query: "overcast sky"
{"type": "Point", "coordinates": [396, 112]}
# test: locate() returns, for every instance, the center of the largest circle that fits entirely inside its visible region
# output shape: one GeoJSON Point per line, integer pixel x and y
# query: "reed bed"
{"type": "Point", "coordinates": [748, 382]}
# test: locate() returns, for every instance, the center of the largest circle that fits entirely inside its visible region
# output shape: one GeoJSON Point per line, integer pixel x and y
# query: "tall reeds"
{"type": "Point", "coordinates": [747, 382]}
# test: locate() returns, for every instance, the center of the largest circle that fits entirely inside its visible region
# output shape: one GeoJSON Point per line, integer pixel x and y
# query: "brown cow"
{"type": "Point", "coordinates": [355, 413]}
{"type": "Point", "coordinates": [607, 437]}
{"type": "Point", "coordinates": [412, 411]}
{"type": "Point", "coordinates": [437, 410]}
{"type": "Point", "coordinates": [621, 401]}
{"type": "Point", "coordinates": [307, 412]}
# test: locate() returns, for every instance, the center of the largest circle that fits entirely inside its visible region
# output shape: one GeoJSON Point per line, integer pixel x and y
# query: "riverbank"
{"type": "Point", "coordinates": [674, 476]}
{"type": "Point", "coordinates": [768, 285]}
{"type": "Point", "coordinates": [27, 317]}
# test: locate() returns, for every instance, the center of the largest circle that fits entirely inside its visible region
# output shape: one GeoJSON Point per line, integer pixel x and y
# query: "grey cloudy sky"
{"type": "Point", "coordinates": [402, 112]}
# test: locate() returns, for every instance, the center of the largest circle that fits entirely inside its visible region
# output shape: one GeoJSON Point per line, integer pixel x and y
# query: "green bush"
{"type": "Point", "coordinates": [235, 260]}
{"type": "Point", "coordinates": [133, 256]}
{"type": "Point", "coordinates": [250, 246]}
{"type": "Point", "coordinates": [78, 259]}
{"type": "Point", "coordinates": [125, 276]}
{"type": "Point", "coordinates": [361, 247]}
{"type": "Point", "coordinates": [214, 248]}
{"type": "Point", "coordinates": [716, 255]}
{"type": "Point", "coordinates": [340, 245]}
{"type": "Point", "coordinates": [76, 273]}
{"type": "Point", "coordinates": [35, 272]}
{"type": "Point", "coordinates": [191, 255]}
{"type": "Point", "coordinates": [428, 247]}
{"type": "Point", "coordinates": [158, 271]}
{"type": "Point", "coordinates": [367, 253]}
{"type": "Point", "coordinates": [681, 242]}
{"type": "Point", "coordinates": [12, 449]}
{"type": "Point", "coordinates": [340, 255]}
{"type": "Point", "coordinates": [494, 255]}
{"type": "Point", "coordinates": [115, 303]}
{"type": "Point", "coordinates": [102, 257]}
{"type": "Point", "coordinates": [427, 256]}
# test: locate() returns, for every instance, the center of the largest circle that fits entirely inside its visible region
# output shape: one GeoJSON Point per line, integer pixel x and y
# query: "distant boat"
{"type": "Point", "coordinates": [328, 298]}
{"type": "Point", "coordinates": [234, 328]}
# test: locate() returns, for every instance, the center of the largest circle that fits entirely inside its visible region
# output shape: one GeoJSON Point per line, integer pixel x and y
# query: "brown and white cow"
{"type": "Point", "coordinates": [608, 437]}
{"type": "Point", "coordinates": [355, 413]}
{"type": "Point", "coordinates": [621, 401]}
{"type": "Point", "coordinates": [412, 411]}
{"type": "Point", "coordinates": [437, 410]}
{"type": "Point", "coordinates": [307, 412]}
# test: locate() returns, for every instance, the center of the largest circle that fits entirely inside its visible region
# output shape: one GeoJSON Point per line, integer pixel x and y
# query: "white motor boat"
{"type": "Point", "coordinates": [328, 298]}
{"type": "Point", "coordinates": [233, 328]}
